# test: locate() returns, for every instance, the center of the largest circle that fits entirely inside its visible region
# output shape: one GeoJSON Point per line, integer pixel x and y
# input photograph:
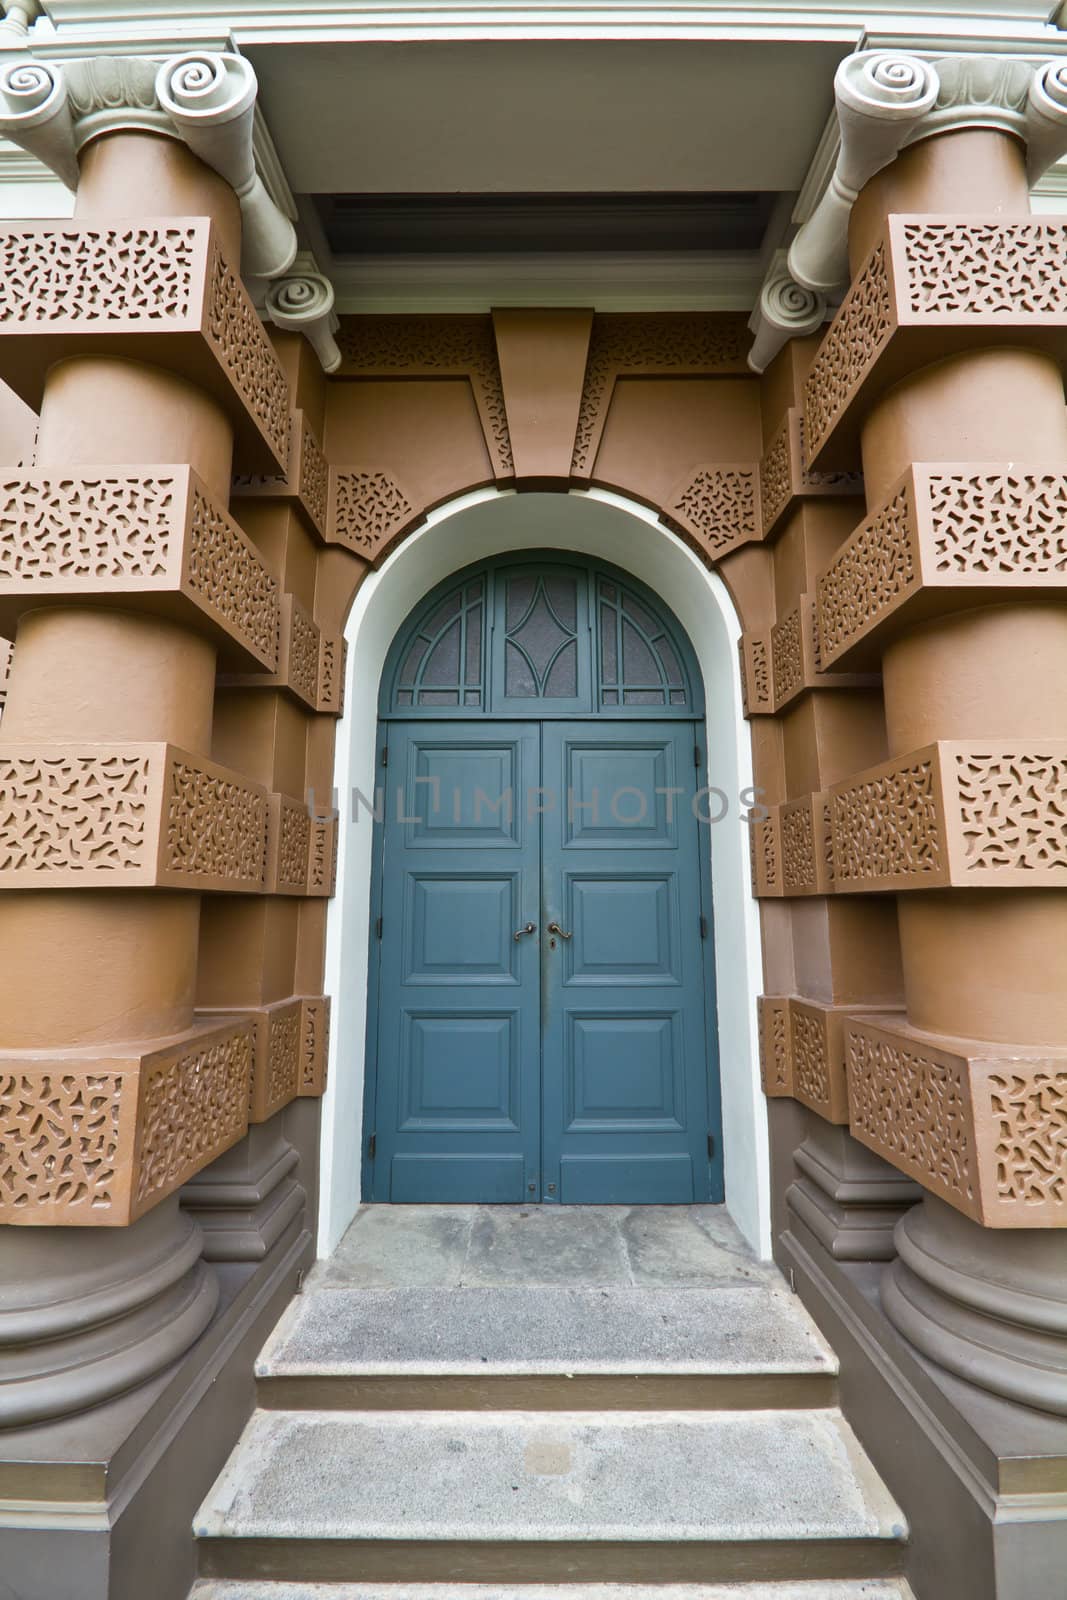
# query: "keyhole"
{"type": "Point", "coordinates": [552, 944]}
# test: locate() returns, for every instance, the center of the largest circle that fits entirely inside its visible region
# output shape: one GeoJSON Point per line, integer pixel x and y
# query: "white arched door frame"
{"type": "Point", "coordinates": [610, 528]}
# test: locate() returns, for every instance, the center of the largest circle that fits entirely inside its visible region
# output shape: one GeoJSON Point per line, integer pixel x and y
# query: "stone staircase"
{"type": "Point", "coordinates": [414, 1439]}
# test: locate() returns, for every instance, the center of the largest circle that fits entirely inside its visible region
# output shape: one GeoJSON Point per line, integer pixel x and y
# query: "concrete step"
{"type": "Point", "coordinates": [546, 1349]}
{"type": "Point", "coordinates": [491, 1497]}
{"type": "Point", "coordinates": [245, 1589]}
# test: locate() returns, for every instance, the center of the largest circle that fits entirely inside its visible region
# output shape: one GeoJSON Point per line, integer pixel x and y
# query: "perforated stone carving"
{"type": "Point", "coordinates": [96, 1137]}
{"type": "Point", "coordinates": [128, 816]}
{"type": "Point", "coordinates": [929, 286]}
{"type": "Point", "coordinates": [322, 872]}
{"type": "Point", "coordinates": [983, 1127]}
{"type": "Point", "coordinates": [787, 655]}
{"type": "Point", "coordinates": [766, 852]}
{"type": "Point", "coordinates": [950, 535]}
{"type": "Point", "coordinates": [333, 657]}
{"type": "Point", "coordinates": [776, 1064]}
{"type": "Point", "coordinates": [314, 1044]}
{"type": "Point", "coordinates": [305, 483]}
{"type": "Point", "coordinates": [306, 664]}
{"type": "Point", "coordinates": [784, 475]}
{"type": "Point", "coordinates": [215, 827]}
{"type": "Point", "coordinates": [152, 537]}
{"type": "Point", "coordinates": [370, 511]}
{"type": "Point", "coordinates": [755, 652]}
{"type": "Point", "coordinates": [75, 287]}
{"type": "Point", "coordinates": [276, 1070]}
{"type": "Point", "coordinates": [803, 831]}
{"type": "Point", "coordinates": [288, 846]}
{"type": "Point", "coordinates": [954, 813]}
{"type": "Point", "coordinates": [641, 345]}
{"type": "Point", "coordinates": [434, 346]}
{"type": "Point", "coordinates": [6, 654]}
{"type": "Point", "coordinates": [717, 508]}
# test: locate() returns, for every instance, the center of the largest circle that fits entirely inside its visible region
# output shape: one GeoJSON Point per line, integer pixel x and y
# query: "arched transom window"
{"type": "Point", "coordinates": [541, 637]}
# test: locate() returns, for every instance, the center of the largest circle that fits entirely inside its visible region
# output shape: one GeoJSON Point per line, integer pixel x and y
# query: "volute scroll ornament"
{"type": "Point", "coordinates": [787, 309]}
{"type": "Point", "coordinates": [304, 303]}
{"type": "Point", "coordinates": [881, 96]}
{"type": "Point", "coordinates": [35, 113]}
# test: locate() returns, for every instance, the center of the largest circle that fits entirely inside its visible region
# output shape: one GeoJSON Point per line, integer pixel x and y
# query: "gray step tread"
{"type": "Point", "coordinates": [823, 1589]}
{"type": "Point", "coordinates": [758, 1329]}
{"type": "Point", "coordinates": [528, 1477]}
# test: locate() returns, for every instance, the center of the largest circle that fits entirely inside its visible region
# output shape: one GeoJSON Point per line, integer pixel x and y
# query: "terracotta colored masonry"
{"type": "Point", "coordinates": [125, 795]}
{"type": "Point", "coordinates": [953, 579]}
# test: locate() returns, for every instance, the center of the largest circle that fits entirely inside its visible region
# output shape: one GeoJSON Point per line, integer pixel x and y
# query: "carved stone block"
{"type": "Point", "coordinates": [950, 535]}
{"type": "Point", "coordinates": [802, 1053]}
{"type": "Point", "coordinates": [931, 287]}
{"type": "Point", "coordinates": [301, 849]}
{"type": "Point", "coordinates": [305, 483]}
{"type": "Point", "coordinates": [757, 685]}
{"type": "Point", "coordinates": [158, 290]}
{"type": "Point", "coordinates": [6, 651]}
{"type": "Point", "coordinates": [276, 1065]}
{"type": "Point", "coordinates": [314, 1045]}
{"type": "Point", "coordinates": [765, 855]}
{"type": "Point", "coordinates": [310, 663]}
{"type": "Point", "coordinates": [98, 1136]}
{"type": "Point", "coordinates": [984, 1127]}
{"type": "Point", "coordinates": [785, 477]}
{"type": "Point", "coordinates": [716, 507]}
{"type": "Point", "coordinates": [151, 538]}
{"type": "Point", "coordinates": [369, 510]}
{"type": "Point", "coordinates": [804, 835]}
{"type": "Point", "coordinates": [954, 813]}
{"type": "Point", "coordinates": [127, 816]}
{"type": "Point", "coordinates": [775, 1052]}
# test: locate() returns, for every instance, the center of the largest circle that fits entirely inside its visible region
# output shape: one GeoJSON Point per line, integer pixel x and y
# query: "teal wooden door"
{"type": "Point", "coordinates": [542, 1019]}
{"type": "Point", "coordinates": [625, 1040]}
{"type": "Point", "coordinates": [459, 1054]}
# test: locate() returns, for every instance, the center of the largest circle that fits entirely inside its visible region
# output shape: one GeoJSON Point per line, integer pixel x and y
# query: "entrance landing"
{"type": "Point", "coordinates": [406, 1247]}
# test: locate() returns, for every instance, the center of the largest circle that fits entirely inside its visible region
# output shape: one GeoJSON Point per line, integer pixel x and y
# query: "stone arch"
{"type": "Point", "coordinates": [604, 525]}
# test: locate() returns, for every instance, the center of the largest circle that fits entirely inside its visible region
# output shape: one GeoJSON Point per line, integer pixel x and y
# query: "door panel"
{"type": "Point", "coordinates": [571, 1069]}
{"type": "Point", "coordinates": [626, 1046]}
{"type": "Point", "coordinates": [457, 1113]}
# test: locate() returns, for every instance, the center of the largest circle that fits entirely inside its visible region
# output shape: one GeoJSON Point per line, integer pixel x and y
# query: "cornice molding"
{"type": "Point", "coordinates": [1004, 25]}
{"type": "Point", "coordinates": [887, 100]}
{"type": "Point", "coordinates": [51, 108]}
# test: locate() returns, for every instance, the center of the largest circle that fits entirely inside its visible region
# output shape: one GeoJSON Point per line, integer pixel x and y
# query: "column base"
{"type": "Point", "coordinates": [87, 1314]}
{"type": "Point", "coordinates": [245, 1201]}
{"type": "Point", "coordinates": [989, 1306]}
{"type": "Point", "coordinates": [849, 1198]}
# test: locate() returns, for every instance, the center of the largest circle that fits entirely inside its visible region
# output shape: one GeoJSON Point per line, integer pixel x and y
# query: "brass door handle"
{"type": "Point", "coordinates": [531, 927]}
{"type": "Point", "coordinates": [554, 927]}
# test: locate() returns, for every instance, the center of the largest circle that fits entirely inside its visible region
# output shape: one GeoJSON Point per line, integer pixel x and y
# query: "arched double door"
{"type": "Point", "coordinates": [541, 1025]}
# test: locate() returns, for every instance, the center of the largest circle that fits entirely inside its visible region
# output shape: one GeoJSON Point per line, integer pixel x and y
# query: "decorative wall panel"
{"type": "Point", "coordinates": [307, 661]}
{"type": "Point", "coordinates": [765, 852]}
{"type": "Point", "coordinates": [775, 1050]}
{"type": "Point", "coordinates": [305, 482]}
{"type": "Point", "coordinates": [314, 1045]}
{"type": "Point", "coordinates": [322, 873]}
{"type": "Point", "coordinates": [950, 535]}
{"type": "Point", "coordinates": [986, 1132]}
{"type": "Point", "coordinates": [954, 813]}
{"type": "Point", "coordinates": [97, 1137]}
{"type": "Point", "coordinates": [127, 816]}
{"type": "Point", "coordinates": [161, 291]}
{"type": "Point", "coordinates": [369, 510]}
{"type": "Point", "coordinates": [785, 477]}
{"type": "Point", "coordinates": [930, 287]}
{"type": "Point", "coordinates": [301, 849]}
{"type": "Point", "coordinates": [6, 654]}
{"type": "Point", "coordinates": [670, 344]}
{"type": "Point", "coordinates": [716, 508]}
{"type": "Point", "coordinates": [756, 680]}
{"type": "Point", "coordinates": [807, 859]}
{"type": "Point", "coordinates": [782, 663]}
{"type": "Point", "coordinates": [434, 347]}
{"type": "Point", "coordinates": [151, 538]}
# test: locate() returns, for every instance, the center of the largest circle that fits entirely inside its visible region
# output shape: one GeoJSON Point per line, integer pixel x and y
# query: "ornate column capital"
{"type": "Point", "coordinates": [302, 302]}
{"type": "Point", "coordinates": [17, 17]}
{"type": "Point", "coordinates": [785, 310]}
{"type": "Point", "coordinates": [206, 99]}
{"type": "Point", "coordinates": [887, 100]}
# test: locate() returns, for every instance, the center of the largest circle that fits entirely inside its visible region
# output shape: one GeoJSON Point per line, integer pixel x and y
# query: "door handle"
{"type": "Point", "coordinates": [531, 927]}
{"type": "Point", "coordinates": [554, 927]}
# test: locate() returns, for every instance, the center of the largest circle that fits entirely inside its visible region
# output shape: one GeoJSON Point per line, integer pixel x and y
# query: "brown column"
{"type": "Point", "coordinates": [98, 967]}
{"type": "Point", "coordinates": [979, 964]}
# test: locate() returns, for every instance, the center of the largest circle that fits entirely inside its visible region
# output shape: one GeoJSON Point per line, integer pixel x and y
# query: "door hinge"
{"type": "Point", "coordinates": [378, 928]}
{"type": "Point", "coordinates": [696, 755]}
{"type": "Point", "coordinates": [372, 1146]}
{"type": "Point", "coordinates": [711, 1147]}
{"type": "Point", "coordinates": [385, 755]}
{"type": "Point", "coordinates": [703, 927]}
